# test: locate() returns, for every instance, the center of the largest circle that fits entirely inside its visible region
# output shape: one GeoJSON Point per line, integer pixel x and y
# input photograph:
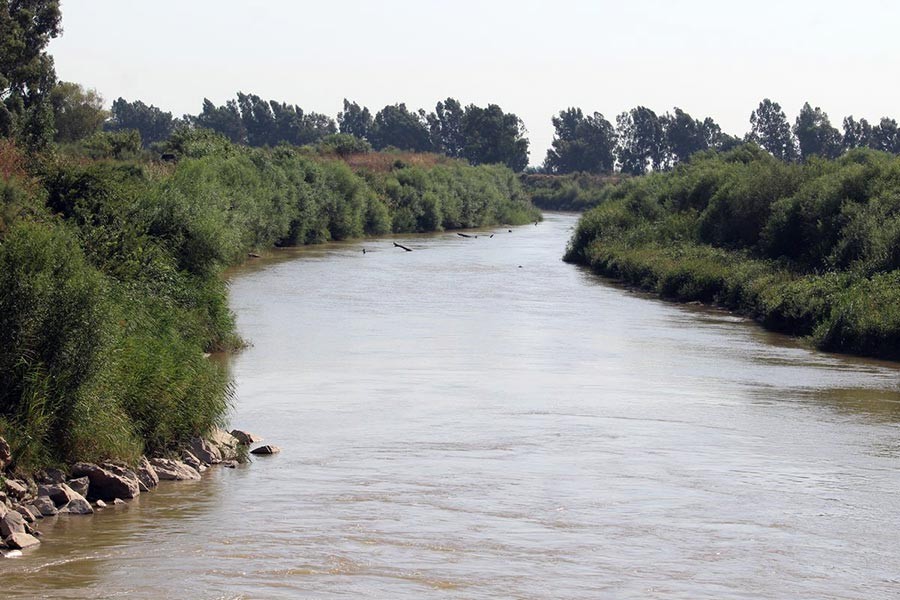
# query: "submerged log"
{"type": "Point", "coordinates": [396, 245]}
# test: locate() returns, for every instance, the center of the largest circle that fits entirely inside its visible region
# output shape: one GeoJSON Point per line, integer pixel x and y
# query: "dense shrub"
{"type": "Point", "coordinates": [812, 250]}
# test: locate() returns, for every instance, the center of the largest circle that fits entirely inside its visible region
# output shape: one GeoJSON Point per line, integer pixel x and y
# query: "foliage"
{"type": "Point", "coordinates": [111, 285]}
{"type": "Point", "coordinates": [77, 112]}
{"type": "Point", "coordinates": [581, 144]}
{"type": "Point", "coordinates": [152, 124]}
{"type": "Point", "coordinates": [810, 249]}
{"type": "Point", "coordinates": [26, 70]}
{"type": "Point", "coordinates": [770, 129]}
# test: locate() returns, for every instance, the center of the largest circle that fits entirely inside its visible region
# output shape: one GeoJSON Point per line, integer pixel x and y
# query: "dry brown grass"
{"type": "Point", "coordinates": [12, 161]}
{"type": "Point", "coordinates": [384, 162]}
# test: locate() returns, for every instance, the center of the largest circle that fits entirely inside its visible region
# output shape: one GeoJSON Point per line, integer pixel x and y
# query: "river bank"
{"type": "Point", "coordinates": [810, 250]}
{"type": "Point", "coordinates": [28, 500]}
{"type": "Point", "coordinates": [111, 275]}
{"type": "Point", "coordinates": [453, 426]}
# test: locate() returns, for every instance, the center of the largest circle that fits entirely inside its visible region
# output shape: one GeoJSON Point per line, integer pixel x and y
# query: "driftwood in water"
{"type": "Point", "coordinates": [396, 245]}
{"type": "Point", "coordinates": [252, 255]}
{"type": "Point", "coordinates": [466, 235]}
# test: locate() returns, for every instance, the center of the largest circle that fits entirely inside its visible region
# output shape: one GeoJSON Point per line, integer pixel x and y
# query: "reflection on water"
{"type": "Point", "coordinates": [476, 419]}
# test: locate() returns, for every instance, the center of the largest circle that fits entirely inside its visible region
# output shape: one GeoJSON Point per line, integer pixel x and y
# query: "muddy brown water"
{"type": "Point", "coordinates": [477, 419]}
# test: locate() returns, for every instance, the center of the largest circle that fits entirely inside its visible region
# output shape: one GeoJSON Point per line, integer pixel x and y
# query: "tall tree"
{"type": "Point", "coordinates": [857, 134]}
{"type": "Point", "coordinates": [77, 112]}
{"type": "Point", "coordinates": [152, 123]}
{"type": "Point", "coordinates": [225, 119]}
{"type": "Point", "coordinates": [493, 136]}
{"type": "Point", "coordinates": [770, 129]}
{"type": "Point", "coordinates": [642, 143]}
{"type": "Point", "coordinates": [886, 136]}
{"type": "Point", "coordinates": [355, 120]}
{"type": "Point", "coordinates": [446, 127]}
{"type": "Point", "coordinates": [26, 70]}
{"type": "Point", "coordinates": [815, 134]}
{"type": "Point", "coordinates": [395, 125]}
{"type": "Point", "coordinates": [686, 135]}
{"type": "Point", "coordinates": [581, 143]}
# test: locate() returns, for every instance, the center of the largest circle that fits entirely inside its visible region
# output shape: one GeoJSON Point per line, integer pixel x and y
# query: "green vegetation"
{"type": "Point", "coordinates": [810, 249]}
{"type": "Point", "coordinates": [111, 284]}
{"type": "Point", "coordinates": [573, 192]}
{"type": "Point", "coordinates": [643, 141]}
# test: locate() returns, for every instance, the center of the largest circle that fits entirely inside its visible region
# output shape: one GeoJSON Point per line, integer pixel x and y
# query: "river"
{"type": "Point", "coordinates": [477, 419]}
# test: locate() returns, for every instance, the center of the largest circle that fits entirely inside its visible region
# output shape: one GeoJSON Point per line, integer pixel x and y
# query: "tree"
{"type": "Point", "coordinates": [581, 143]}
{"type": "Point", "coordinates": [642, 143]}
{"type": "Point", "coordinates": [886, 136]}
{"type": "Point", "coordinates": [770, 129]}
{"type": "Point", "coordinates": [857, 134]}
{"type": "Point", "coordinates": [225, 119]}
{"type": "Point", "coordinates": [446, 127]}
{"type": "Point", "coordinates": [355, 120]}
{"type": "Point", "coordinates": [815, 134]}
{"type": "Point", "coordinates": [715, 138]}
{"type": "Point", "coordinates": [77, 112]}
{"type": "Point", "coordinates": [686, 135]}
{"type": "Point", "coordinates": [394, 125]}
{"type": "Point", "coordinates": [26, 70]}
{"type": "Point", "coordinates": [153, 124]}
{"type": "Point", "coordinates": [492, 136]}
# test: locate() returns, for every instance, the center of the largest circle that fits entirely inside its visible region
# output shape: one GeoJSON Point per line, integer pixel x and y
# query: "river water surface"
{"type": "Point", "coordinates": [477, 419]}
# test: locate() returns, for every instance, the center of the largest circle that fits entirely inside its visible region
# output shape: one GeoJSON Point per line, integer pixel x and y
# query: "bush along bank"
{"type": "Point", "coordinates": [111, 287]}
{"type": "Point", "coordinates": [575, 192]}
{"type": "Point", "coordinates": [808, 249]}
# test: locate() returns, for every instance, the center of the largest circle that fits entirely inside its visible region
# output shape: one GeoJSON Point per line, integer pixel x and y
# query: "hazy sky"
{"type": "Point", "coordinates": [532, 57]}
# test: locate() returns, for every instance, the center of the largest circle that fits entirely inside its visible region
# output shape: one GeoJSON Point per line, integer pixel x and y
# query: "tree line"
{"type": "Point", "coordinates": [642, 141]}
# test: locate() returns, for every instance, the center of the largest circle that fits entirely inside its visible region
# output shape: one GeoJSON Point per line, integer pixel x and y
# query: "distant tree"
{"type": "Point", "coordinates": [492, 136]}
{"type": "Point", "coordinates": [77, 112]}
{"type": "Point", "coordinates": [395, 125]}
{"type": "Point", "coordinates": [153, 124]}
{"type": "Point", "coordinates": [581, 143]}
{"type": "Point", "coordinates": [642, 143]}
{"type": "Point", "coordinates": [225, 119]}
{"type": "Point", "coordinates": [815, 134]}
{"type": "Point", "coordinates": [686, 135]}
{"type": "Point", "coordinates": [355, 120]}
{"type": "Point", "coordinates": [258, 119]}
{"type": "Point", "coordinates": [26, 70]}
{"type": "Point", "coordinates": [716, 139]}
{"type": "Point", "coordinates": [857, 134]}
{"type": "Point", "coordinates": [886, 136]}
{"type": "Point", "coordinates": [770, 129]}
{"type": "Point", "coordinates": [446, 127]}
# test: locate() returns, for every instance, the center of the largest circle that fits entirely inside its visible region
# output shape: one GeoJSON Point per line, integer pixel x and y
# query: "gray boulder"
{"type": "Point", "coordinates": [245, 438]}
{"type": "Point", "coordinates": [109, 481]}
{"type": "Point", "coordinates": [267, 449]}
{"type": "Point", "coordinates": [147, 477]}
{"type": "Point", "coordinates": [78, 506]}
{"type": "Point", "coordinates": [227, 444]}
{"type": "Point", "coordinates": [192, 461]}
{"type": "Point", "coordinates": [173, 470]}
{"type": "Point", "coordinates": [45, 506]}
{"type": "Point", "coordinates": [60, 493]}
{"type": "Point", "coordinates": [21, 540]}
{"type": "Point", "coordinates": [101, 504]}
{"type": "Point", "coordinates": [11, 523]}
{"type": "Point", "coordinates": [206, 451]}
{"type": "Point", "coordinates": [27, 513]}
{"type": "Point", "coordinates": [79, 485]}
{"type": "Point", "coordinates": [16, 489]}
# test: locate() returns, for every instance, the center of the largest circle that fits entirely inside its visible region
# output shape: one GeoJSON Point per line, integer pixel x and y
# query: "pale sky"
{"type": "Point", "coordinates": [532, 57]}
